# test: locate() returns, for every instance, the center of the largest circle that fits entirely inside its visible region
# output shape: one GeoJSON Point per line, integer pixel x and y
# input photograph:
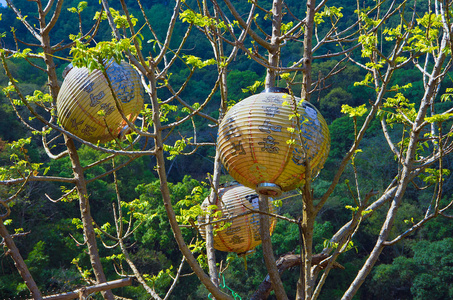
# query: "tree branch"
{"type": "Point", "coordinates": [19, 262]}
{"type": "Point", "coordinates": [285, 262]}
{"type": "Point", "coordinates": [85, 291]}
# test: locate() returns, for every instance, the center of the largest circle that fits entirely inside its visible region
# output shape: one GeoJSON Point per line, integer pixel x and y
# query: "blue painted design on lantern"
{"type": "Point", "coordinates": [123, 87]}
{"type": "Point", "coordinates": [311, 132]}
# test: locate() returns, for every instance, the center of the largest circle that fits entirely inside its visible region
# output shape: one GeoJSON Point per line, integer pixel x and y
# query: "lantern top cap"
{"type": "Point", "coordinates": [275, 89]}
{"type": "Point", "coordinates": [67, 69]}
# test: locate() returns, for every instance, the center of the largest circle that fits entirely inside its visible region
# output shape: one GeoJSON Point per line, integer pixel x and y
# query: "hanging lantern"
{"type": "Point", "coordinates": [260, 147]}
{"type": "Point", "coordinates": [83, 94]}
{"type": "Point", "coordinates": [244, 233]}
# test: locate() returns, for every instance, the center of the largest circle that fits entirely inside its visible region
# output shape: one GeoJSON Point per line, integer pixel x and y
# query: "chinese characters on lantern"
{"type": "Point", "coordinates": [121, 84]}
{"type": "Point", "coordinates": [234, 232]}
{"type": "Point", "coordinates": [231, 131]}
{"type": "Point", "coordinates": [266, 140]}
{"type": "Point", "coordinates": [271, 109]}
{"type": "Point", "coordinates": [123, 88]}
{"type": "Point", "coordinates": [310, 133]}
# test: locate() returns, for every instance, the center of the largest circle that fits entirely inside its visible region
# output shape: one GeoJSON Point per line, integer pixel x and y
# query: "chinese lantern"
{"type": "Point", "coordinates": [83, 94]}
{"type": "Point", "coordinates": [260, 145]}
{"type": "Point", "coordinates": [244, 233]}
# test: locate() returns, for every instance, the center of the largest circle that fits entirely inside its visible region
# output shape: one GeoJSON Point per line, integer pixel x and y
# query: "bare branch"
{"type": "Point", "coordinates": [62, 197]}
{"type": "Point", "coordinates": [285, 262]}
{"type": "Point", "coordinates": [47, 149]}
{"type": "Point", "coordinates": [175, 280]}
{"type": "Point", "coordinates": [54, 19]}
{"type": "Point", "coordinates": [171, 27]}
{"type": "Point", "coordinates": [30, 28]}
{"type": "Point", "coordinates": [48, 7]}
{"type": "Point", "coordinates": [245, 26]}
{"type": "Point", "coordinates": [91, 289]}
{"type": "Point", "coordinates": [18, 261]}
{"type": "Point", "coordinates": [15, 181]}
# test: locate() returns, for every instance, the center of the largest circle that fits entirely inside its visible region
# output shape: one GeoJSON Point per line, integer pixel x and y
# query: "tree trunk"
{"type": "Point", "coordinates": [268, 254]}
{"type": "Point", "coordinates": [210, 251]}
{"type": "Point", "coordinates": [405, 178]}
{"type": "Point", "coordinates": [19, 262]}
{"type": "Point", "coordinates": [284, 263]}
{"type": "Point", "coordinates": [87, 220]}
{"type": "Point", "coordinates": [305, 283]}
{"type": "Point", "coordinates": [308, 55]}
{"type": "Point", "coordinates": [274, 49]}
{"type": "Point", "coordinates": [160, 160]}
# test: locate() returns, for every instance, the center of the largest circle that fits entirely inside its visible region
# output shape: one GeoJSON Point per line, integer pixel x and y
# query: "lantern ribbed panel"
{"type": "Point", "coordinates": [253, 136]}
{"type": "Point", "coordinates": [244, 233]}
{"type": "Point", "coordinates": [83, 94]}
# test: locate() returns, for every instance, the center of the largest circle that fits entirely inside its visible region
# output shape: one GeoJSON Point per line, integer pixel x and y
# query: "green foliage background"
{"type": "Point", "coordinates": [419, 268]}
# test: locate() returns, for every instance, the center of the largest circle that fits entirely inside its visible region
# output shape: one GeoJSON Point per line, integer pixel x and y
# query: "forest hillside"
{"type": "Point", "coordinates": [371, 93]}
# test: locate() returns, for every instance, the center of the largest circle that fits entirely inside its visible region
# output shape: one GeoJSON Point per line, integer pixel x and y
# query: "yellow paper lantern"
{"type": "Point", "coordinates": [83, 94]}
{"type": "Point", "coordinates": [244, 233]}
{"type": "Point", "coordinates": [260, 147]}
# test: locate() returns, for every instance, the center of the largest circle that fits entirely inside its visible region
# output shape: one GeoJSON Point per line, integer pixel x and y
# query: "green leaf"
{"type": "Point", "coordinates": [439, 118]}
{"type": "Point", "coordinates": [286, 27]}
{"type": "Point", "coordinates": [354, 111]}
{"type": "Point", "coordinates": [278, 203]}
{"type": "Point", "coordinates": [199, 20]}
{"type": "Point", "coordinates": [197, 62]}
{"type": "Point", "coordinates": [352, 208]}
{"type": "Point", "coordinates": [82, 5]}
{"type": "Point", "coordinates": [22, 54]}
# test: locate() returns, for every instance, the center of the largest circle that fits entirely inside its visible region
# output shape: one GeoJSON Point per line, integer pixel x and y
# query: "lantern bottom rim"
{"type": "Point", "coordinates": [269, 189]}
{"type": "Point", "coordinates": [247, 252]}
